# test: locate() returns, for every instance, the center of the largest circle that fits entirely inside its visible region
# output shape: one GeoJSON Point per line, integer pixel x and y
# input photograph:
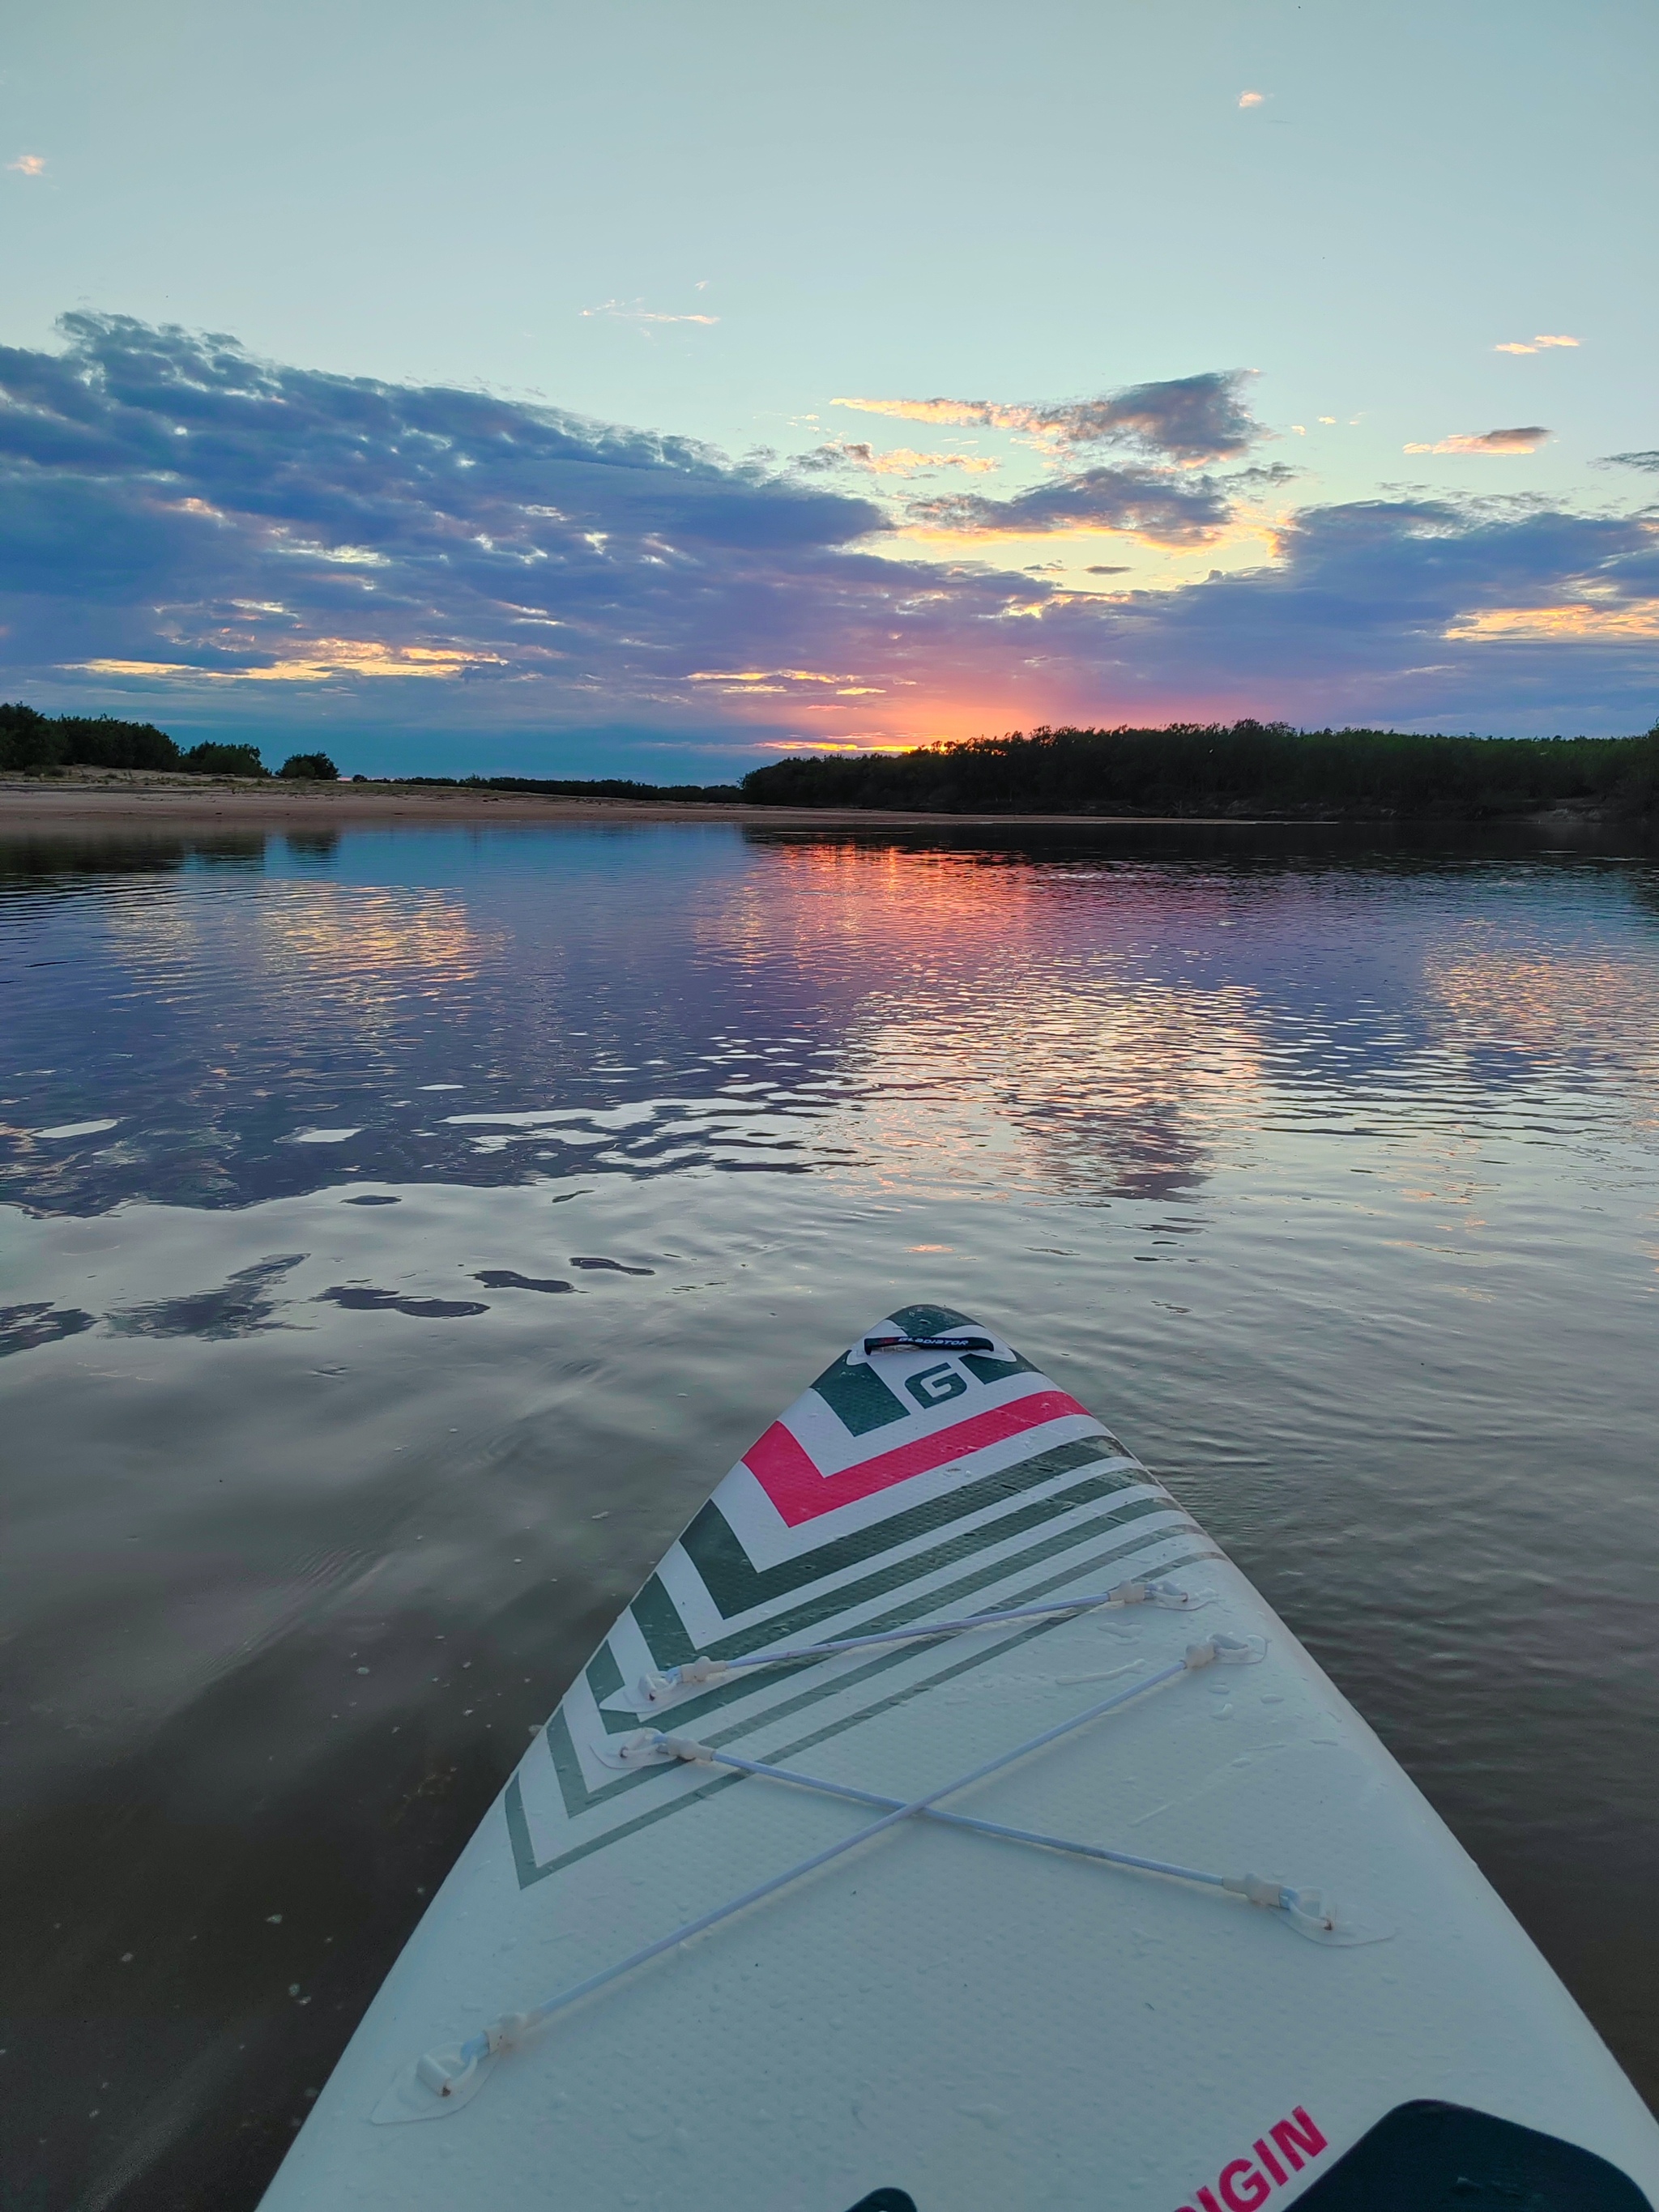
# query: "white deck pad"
{"type": "Point", "coordinates": [1065, 1878]}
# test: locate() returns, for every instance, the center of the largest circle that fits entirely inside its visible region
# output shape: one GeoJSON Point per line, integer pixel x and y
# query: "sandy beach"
{"type": "Point", "coordinates": [131, 801]}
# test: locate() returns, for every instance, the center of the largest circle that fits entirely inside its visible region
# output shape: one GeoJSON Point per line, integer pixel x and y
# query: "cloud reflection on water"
{"type": "Point", "coordinates": [1327, 1174]}
{"type": "Point", "coordinates": [495, 1009]}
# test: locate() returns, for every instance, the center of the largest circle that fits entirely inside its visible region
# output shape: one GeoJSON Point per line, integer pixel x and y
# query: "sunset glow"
{"type": "Point", "coordinates": [662, 505]}
{"type": "Point", "coordinates": [1587, 619]}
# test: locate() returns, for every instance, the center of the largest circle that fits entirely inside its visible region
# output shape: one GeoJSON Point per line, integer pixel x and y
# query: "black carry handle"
{"type": "Point", "coordinates": [928, 1344]}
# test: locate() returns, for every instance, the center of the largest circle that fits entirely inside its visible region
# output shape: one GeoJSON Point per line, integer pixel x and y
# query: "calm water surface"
{"type": "Point", "coordinates": [404, 1232]}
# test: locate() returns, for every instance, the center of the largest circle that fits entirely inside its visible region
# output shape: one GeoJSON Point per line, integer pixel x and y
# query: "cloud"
{"type": "Point", "coordinates": [174, 511]}
{"type": "Point", "coordinates": [1539, 344]}
{"type": "Point", "coordinates": [939, 410]}
{"type": "Point", "coordinates": [634, 311]}
{"type": "Point", "coordinates": [29, 164]}
{"type": "Point", "coordinates": [1525, 440]}
{"type": "Point", "coordinates": [1576, 618]}
{"type": "Point", "coordinates": [780, 683]}
{"type": "Point", "coordinates": [1165, 506]}
{"type": "Point", "coordinates": [1425, 612]}
{"type": "Point", "coordinates": [902, 461]}
{"type": "Point", "coordinates": [1648, 460]}
{"type": "Point", "coordinates": [1251, 99]}
{"type": "Point", "coordinates": [1107, 568]}
{"type": "Point", "coordinates": [217, 542]}
{"type": "Point", "coordinates": [1191, 419]}
{"type": "Point", "coordinates": [322, 659]}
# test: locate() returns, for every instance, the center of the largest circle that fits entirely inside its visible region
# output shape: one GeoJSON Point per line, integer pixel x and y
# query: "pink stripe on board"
{"type": "Point", "coordinates": [801, 1491]}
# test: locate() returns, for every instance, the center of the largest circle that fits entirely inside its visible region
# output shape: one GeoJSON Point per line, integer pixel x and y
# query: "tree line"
{"type": "Point", "coordinates": [565, 786]}
{"type": "Point", "coordinates": [1213, 768]}
{"type": "Point", "coordinates": [1246, 767]}
{"type": "Point", "coordinates": [32, 744]}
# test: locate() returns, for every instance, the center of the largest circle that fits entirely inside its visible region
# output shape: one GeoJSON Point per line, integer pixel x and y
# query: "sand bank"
{"type": "Point", "coordinates": [131, 801]}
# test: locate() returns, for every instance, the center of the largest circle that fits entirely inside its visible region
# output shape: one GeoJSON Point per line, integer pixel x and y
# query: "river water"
{"type": "Point", "coordinates": [402, 1231]}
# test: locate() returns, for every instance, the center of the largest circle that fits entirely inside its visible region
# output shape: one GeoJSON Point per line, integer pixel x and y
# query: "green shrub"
{"type": "Point", "coordinates": [210, 759]}
{"type": "Point", "coordinates": [315, 768]}
{"type": "Point", "coordinates": [34, 742]}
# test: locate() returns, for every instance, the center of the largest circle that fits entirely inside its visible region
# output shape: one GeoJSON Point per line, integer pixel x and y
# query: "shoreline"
{"type": "Point", "coordinates": [127, 801]}
{"type": "Point", "coordinates": [131, 800]}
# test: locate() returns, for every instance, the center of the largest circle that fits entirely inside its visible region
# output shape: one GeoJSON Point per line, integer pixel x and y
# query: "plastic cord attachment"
{"type": "Point", "coordinates": [653, 1692]}
{"type": "Point", "coordinates": [1308, 1912]}
{"type": "Point", "coordinates": [1227, 1651]}
{"type": "Point", "coordinates": [1170, 1596]}
{"type": "Point", "coordinates": [1256, 1891]}
{"type": "Point", "coordinates": [702, 1673]}
{"type": "Point", "coordinates": [445, 2071]}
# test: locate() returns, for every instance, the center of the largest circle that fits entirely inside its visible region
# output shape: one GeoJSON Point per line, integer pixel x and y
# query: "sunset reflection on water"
{"type": "Point", "coordinates": [404, 1231]}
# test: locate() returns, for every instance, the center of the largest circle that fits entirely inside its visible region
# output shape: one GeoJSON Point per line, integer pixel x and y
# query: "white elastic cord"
{"type": "Point", "coordinates": [705, 1672]}
{"type": "Point", "coordinates": [437, 2075]}
{"type": "Point", "coordinates": [1307, 1911]}
{"type": "Point", "coordinates": [679, 1747]}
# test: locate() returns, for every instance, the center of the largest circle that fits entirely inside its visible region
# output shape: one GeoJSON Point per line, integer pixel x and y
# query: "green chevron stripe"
{"type": "Point", "coordinates": [995, 1371]}
{"type": "Point", "coordinates": [737, 1585]}
{"type": "Point", "coordinates": [942, 1320]}
{"type": "Point", "coordinates": [933, 1321]}
{"type": "Point", "coordinates": [934, 1600]}
{"type": "Point", "coordinates": [579, 1799]}
{"type": "Point", "coordinates": [929, 1602]}
{"type": "Point", "coordinates": [859, 1399]}
{"type": "Point", "coordinates": [897, 1574]}
{"type": "Point", "coordinates": [602, 1675]}
{"type": "Point", "coordinates": [657, 1618]}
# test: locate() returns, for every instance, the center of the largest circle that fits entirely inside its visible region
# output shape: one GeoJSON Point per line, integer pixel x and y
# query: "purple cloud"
{"type": "Point", "coordinates": [226, 543]}
{"type": "Point", "coordinates": [1188, 418]}
{"type": "Point", "coordinates": [1166, 506]}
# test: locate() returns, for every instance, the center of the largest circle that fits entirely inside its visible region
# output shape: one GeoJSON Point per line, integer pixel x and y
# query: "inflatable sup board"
{"type": "Point", "coordinates": [947, 1824]}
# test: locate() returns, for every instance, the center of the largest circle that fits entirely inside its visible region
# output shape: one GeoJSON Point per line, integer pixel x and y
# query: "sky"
{"type": "Point", "coordinates": [653, 389]}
